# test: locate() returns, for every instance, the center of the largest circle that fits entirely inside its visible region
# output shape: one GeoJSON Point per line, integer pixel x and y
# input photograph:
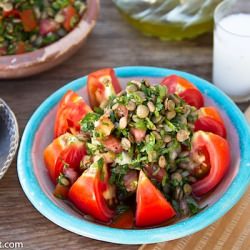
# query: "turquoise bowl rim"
{"type": "Point", "coordinates": [82, 227]}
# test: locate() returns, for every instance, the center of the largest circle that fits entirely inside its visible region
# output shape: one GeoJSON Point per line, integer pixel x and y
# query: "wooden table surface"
{"type": "Point", "coordinates": [113, 43]}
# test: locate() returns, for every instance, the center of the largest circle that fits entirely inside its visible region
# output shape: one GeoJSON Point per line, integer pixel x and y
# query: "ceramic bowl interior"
{"type": "Point", "coordinates": [17, 66]}
{"type": "Point", "coordinates": [38, 186]}
{"type": "Point", "coordinates": [9, 137]}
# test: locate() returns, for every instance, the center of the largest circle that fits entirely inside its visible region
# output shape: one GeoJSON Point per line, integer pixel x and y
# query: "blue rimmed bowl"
{"type": "Point", "coordinates": [37, 186]}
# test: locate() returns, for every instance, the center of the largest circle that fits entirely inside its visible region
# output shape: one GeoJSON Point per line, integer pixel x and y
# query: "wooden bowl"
{"type": "Point", "coordinates": [17, 66]}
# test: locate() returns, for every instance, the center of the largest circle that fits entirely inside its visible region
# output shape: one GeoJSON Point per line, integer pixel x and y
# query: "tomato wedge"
{"type": "Point", "coordinates": [87, 193]}
{"type": "Point", "coordinates": [64, 150]}
{"type": "Point", "coordinates": [71, 110]}
{"type": "Point", "coordinates": [210, 120]}
{"type": "Point", "coordinates": [218, 152]}
{"type": "Point", "coordinates": [152, 207]}
{"type": "Point", "coordinates": [124, 220]}
{"type": "Point", "coordinates": [185, 89]}
{"type": "Point", "coordinates": [102, 84]}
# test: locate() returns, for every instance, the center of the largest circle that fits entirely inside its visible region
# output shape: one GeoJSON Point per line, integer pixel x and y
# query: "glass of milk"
{"type": "Point", "coordinates": [231, 63]}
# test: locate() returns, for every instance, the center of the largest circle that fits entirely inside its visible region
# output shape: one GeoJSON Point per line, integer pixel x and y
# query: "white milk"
{"type": "Point", "coordinates": [231, 69]}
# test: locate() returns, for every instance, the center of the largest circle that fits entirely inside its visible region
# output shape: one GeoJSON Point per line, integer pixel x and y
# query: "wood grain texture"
{"type": "Point", "coordinates": [113, 43]}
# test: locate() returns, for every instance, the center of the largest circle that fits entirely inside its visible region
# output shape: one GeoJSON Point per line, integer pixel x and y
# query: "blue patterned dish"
{"type": "Point", "coordinates": [9, 137]}
{"type": "Point", "coordinates": [38, 187]}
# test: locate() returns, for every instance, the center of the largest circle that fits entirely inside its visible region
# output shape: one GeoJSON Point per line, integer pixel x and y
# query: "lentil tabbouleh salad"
{"type": "Point", "coordinates": [139, 156]}
{"type": "Point", "coordinates": [27, 25]}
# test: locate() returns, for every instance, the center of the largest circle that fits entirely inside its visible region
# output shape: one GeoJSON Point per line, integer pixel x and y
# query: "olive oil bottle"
{"type": "Point", "coordinates": [169, 19]}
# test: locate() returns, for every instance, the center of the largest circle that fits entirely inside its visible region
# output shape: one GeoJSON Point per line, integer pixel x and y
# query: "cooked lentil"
{"type": "Point", "coordinates": [163, 150]}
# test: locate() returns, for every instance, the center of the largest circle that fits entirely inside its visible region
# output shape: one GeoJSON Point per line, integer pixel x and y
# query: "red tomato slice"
{"type": "Point", "coordinates": [102, 84]}
{"type": "Point", "coordinates": [71, 110]}
{"type": "Point", "coordinates": [113, 144]}
{"type": "Point", "coordinates": [124, 220]}
{"type": "Point", "coordinates": [210, 120]}
{"type": "Point", "coordinates": [185, 89]}
{"type": "Point", "coordinates": [218, 152]}
{"type": "Point", "coordinates": [71, 17]}
{"type": "Point", "coordinates": [66, 149]}
{"type": "Point", "coordinates": [152, 207]}
{"type": "Point", "coordinates": [193, 97]}
{"type": "Point", "coordinates": [87, 193]}
{"type": "Point", "coordinates": [28, 20]}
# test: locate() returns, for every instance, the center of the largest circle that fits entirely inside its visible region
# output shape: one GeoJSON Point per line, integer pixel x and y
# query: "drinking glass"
{"type": "Point", "coordinates": [231, 62]}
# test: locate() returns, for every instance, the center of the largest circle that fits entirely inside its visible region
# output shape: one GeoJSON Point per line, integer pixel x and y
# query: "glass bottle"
{"type": "Point", "coordinates": [169, 19]}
